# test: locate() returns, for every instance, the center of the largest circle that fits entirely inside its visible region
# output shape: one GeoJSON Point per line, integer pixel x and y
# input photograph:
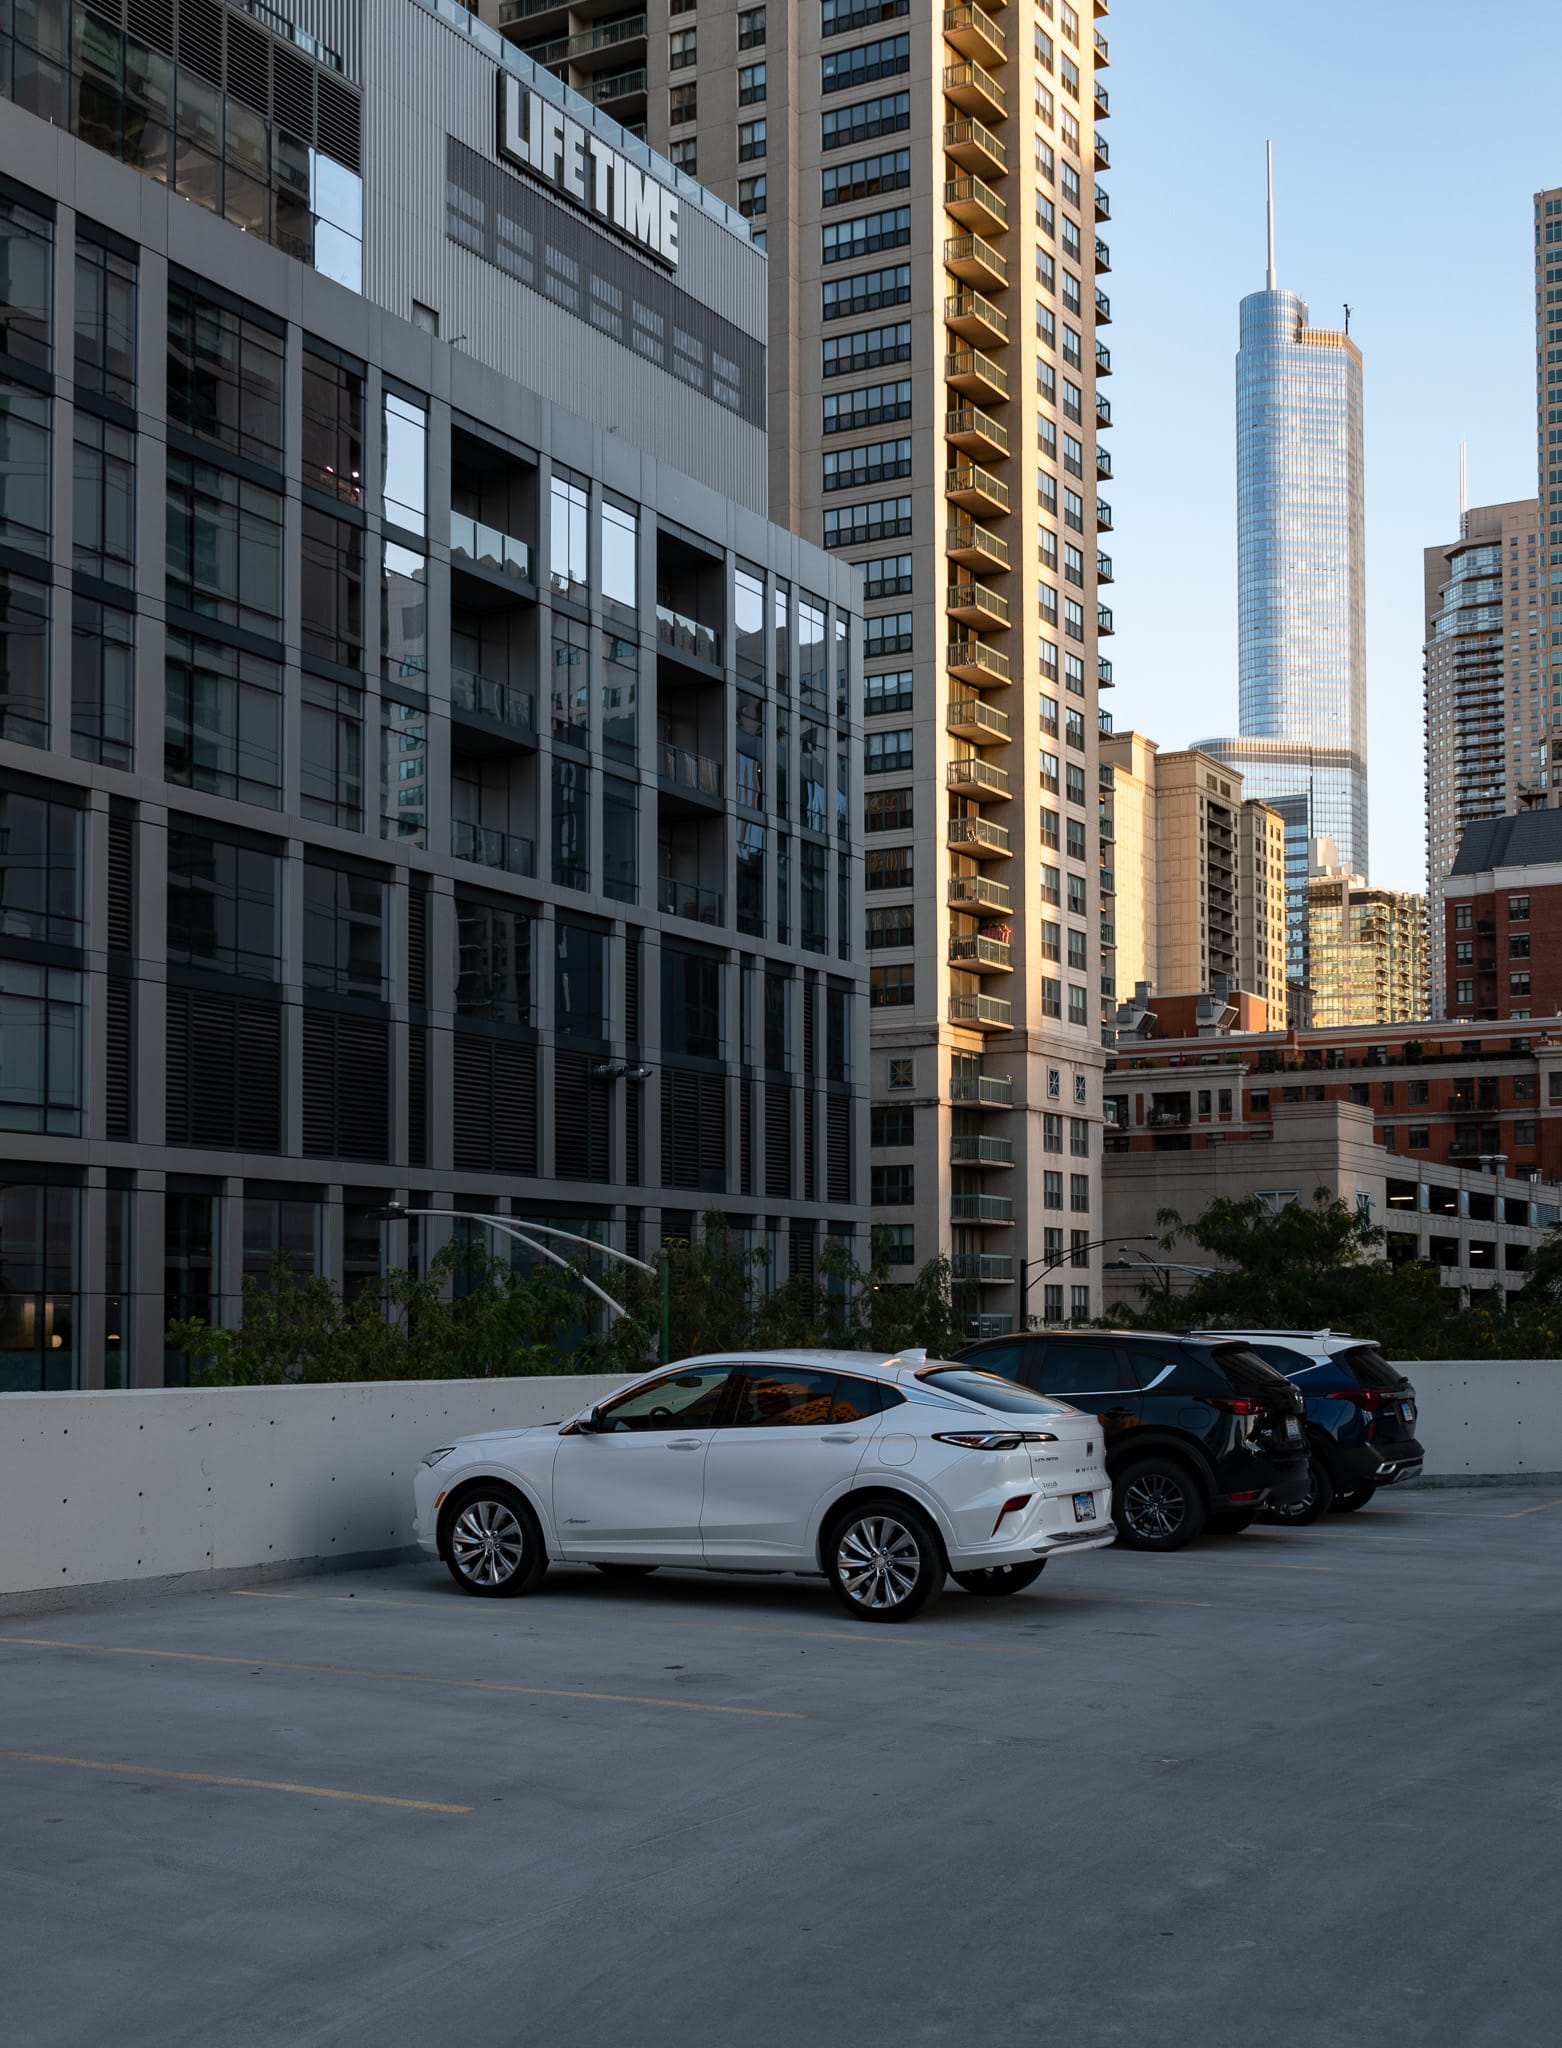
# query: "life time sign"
{"type": "Point", "coordinates": [542, 139]}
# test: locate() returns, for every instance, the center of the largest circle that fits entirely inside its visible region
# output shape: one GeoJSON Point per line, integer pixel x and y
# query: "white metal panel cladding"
{"type": "Point", "coordinates": [336, 23]}
{"type": "Point", "coordinates": [425, 83]}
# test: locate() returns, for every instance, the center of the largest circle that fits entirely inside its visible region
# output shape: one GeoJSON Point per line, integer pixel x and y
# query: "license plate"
{"type": "Point", "coordinates": [1293, 1428]}
{"type": "Point", "coordinates": [1084, 1507]}
{"type": "Point", "coordinates": [1408, 1410]}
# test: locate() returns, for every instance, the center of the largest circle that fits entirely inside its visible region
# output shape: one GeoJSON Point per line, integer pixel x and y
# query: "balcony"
{"type": "Point", "coordinates": [975, 546]}
{"type": "Point", "coordinates": [1104, 619]}
{"type": "Point", "coordinates": [977, 837]}
{"type": "Point", "coordinates": [976, 205]}
{"type": "Point", "coordinates": [974, 375]}
{"type": "Point", "coordinates": [970, 775]}
{"type": "Point", "coordinates": [973, 604]}
{"type": "Point", "coordinates": [977, 955]}
{"type": "Point", "coordinates": [1103, 203]}
{"type": "Point", "coordinates": [490, 848]}
{"type": "Point", "coordinates": [1103, 360]}
{"type": "Point", "coordinates": [973, 661]}
{"type": "Point", "coordinates": [969, 1148]}
{"type": "Point", "coordinates": [981, 1208]}
{"type": "Point", "coordinates": [975, 432]}
{"type": "Point", "coordinates": [493, 703]}
{"type": "Point", "coordinates": [988, 1269]}
{"type": "Point", "coordinates": [976, 319]}
{"type": "Point", "coordinates": [975, 148]}
{"type": "Point", "coordinates": [1103, 256]}
{"type": "Point", "coordinates": [1103, 568]}
{"type": "Point", "coordinates": [1103, 104]}
{"type": "Point", "coordinates": [618, 85]}
{"type": "Point", "coordinates": [501, 554]}
{"type": "Point", "coordinates": [1103, 515]}
{"type": "Point", "coordinates": [1104, 723]}
{"type": "Point", "coordinates": [1103, 308]}
{"type": "Point", "coordinates": [687, 636]}
{"type": "Point", "coordinates": [975, 489]}
{"type": "Point", "coordinates": [1103, 54]}
{"type": "Point", "coordinates": [974, 261]}
{"type": "Point", "coordinates": [974, 91]}
{"type": "Point", "coordinates": [970, 719]}
{"type": "Point", "coordinates": [1103, 152]}
{"type": "Point", "coordinates": [592, 42]}
{"type": "Point", "coordinates": [1104, 672]}
{"type": "Point", "coordinates": [685, 770]}
{"type": "Point", "coordinates": [985, 1091]}
{"type": "Point", "coordinates": [974, 33]}
{"type": "Point", "coordinates": [1103, 411]}
{"type": "Point", "coordinates": [976, 892]}
{"type": "Point", "coordinates": [1103, 465]}
{"type": "Point", "coordinates": [688, 899]}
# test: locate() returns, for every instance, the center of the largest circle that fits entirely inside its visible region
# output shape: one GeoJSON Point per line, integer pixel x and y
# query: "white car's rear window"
{"type": "Point", "coordinates": [988, 1391]}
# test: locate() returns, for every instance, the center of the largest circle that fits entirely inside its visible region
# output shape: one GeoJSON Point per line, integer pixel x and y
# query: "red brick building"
{"type": "Point", "coordinates": [1502, 911]}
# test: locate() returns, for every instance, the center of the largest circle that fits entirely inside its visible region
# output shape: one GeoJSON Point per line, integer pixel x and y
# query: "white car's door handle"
{"type": "Point", "coordinates": [851, 1439]}
{"type": "Point", "coordinates": [687, 1443]}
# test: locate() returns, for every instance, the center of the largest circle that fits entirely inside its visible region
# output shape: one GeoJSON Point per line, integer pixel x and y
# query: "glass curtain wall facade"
{"type": "Point", "coordinates": [405, 789]}
{"type": "Point", "coordinates": [1301, 585]}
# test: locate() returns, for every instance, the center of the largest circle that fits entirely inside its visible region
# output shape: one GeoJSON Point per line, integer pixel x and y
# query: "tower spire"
{"type": "Point", "coordinates": [1269, 157]}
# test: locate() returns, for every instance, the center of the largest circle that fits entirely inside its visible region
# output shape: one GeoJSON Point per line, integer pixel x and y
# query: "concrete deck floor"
{"type": "Point", "coordinates": [1295, 1787]}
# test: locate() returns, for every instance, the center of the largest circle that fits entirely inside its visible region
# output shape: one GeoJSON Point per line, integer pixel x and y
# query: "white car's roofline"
{"type": "Point", "coordinates": [887, 1365]}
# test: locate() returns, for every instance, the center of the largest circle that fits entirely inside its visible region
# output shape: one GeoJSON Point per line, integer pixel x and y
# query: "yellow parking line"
{"type": "Point", "coordinates": [547, 1692]}
{"type": "Point", "coordinates": [1539, 1508]}
{"type": "Point", "coordinates": [87, 1763]}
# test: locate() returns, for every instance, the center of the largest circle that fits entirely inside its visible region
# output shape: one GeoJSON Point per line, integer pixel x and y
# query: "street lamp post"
{"type": "Point", "coordinates": [1065, 1259]}
{"type": "Point", "coordinates": [1163, 1269]}
{"type": "Point", "coordinates": [397, 1212]}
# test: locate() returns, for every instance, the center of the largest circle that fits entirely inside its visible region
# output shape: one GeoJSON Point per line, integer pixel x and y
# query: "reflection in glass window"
{"type": "Point", "coordinates": [331, 770]}
{"type": "Point", "coordinates": [40, 869]}
{"type": "Point", "coordinates": [336, 201]}
{"type": "Point", "coordinates": [224, 546]}
{"type": "Point", "coordinates": [404, 772]}
{"type": "Point", "coordinates": [749, 620]}
{"type": "Point", "coordinates": [493, 963]}
{"type": "Point", "coordinates": [344, 931]}
{"type": "Point", "coordinates": [225, 375]}
{"type": "Point", "coordinates": [24, 471]}
{"type": "Point", "coordinates": [26, 268]}
{"type": "Point", "coordinates": [571, 824]}
{"type": "Point", "coordinates": [105, 321]}
{"type": "Point", "coordinates": [224, 906]}
{"type": "Point", "coordinates": [620, 839]}
{"type": "Point", "coordinates": [580, 995]}
{"type": "Point", "coordinates": [38, 1260]}
{"type": "Point", "coordinates": [620, 558]}
{"type": "Point", "coordinates": [223, 722]}
{"type": "Point", "coordinates": [273, 1227]}
{"type": "Point", "coordinates": [189, 1270]}
{"type": "Point", "coordinates": [568, 562]}
{"type": "Point", "coordinates": [40, 1048]}
{"type": "Point", "coordinates": [406, 463]}
{"type": "Point", "coordinates": [103, 500]}
{"type": "Point", "coordinates": [333, 427]}
{"type": "Point", "coordinates": [24, 660]}
{"type": "Point", "coordinates": [403, 614]}
{"type": "Point", "coordinates": [620, 707]}
{"type": "Point", "coordinates": [103, 684]}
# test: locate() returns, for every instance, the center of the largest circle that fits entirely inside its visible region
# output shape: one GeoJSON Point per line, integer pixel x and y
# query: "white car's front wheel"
{"type": "Point", "coordinates": [884, 1559]}
{"type": "Point", "coordinates": [492, 1542]}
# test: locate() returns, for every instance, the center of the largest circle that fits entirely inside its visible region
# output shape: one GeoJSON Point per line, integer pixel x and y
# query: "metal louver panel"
{"type": "Point", "coordinates": [346, 1100]}
{"type": "Point", "coordinates": [249, 65]}
{"type": "Point", "coordinates": [293, 92]}
{"type": "Point", "coordinates": [634, 1134]}
{"type": "Point", "coordinates": [494, 1121]}
{"type": "Point", "coordinates": [259, 1079]}
{"type": "Point", "coordinates": [417, 1095]}
{"type": "Point", "coordinates": [224, 1073]}
{"type": "Point", "coordinates": [632, 988]}
{"type": "Point", "coordinates": [119, 923]}
{"type": "Point", "coordinates": [417, 946]}
{"type": "Point", "coordinates": [117, 1114]}
{"type": "Point", "coordinates": [838, 1113]}
{"type": "Point", "coordinates": [694, 1130]}
{"type": "Point", "coordinates": [152, 22]}
{"type": "Point", "coordinates": [580, 1120]}
{"type": "Point", "coordinates": [200, 38]}
{"type": "Point", "coordinates": [746, 1137]}
{"type": "Point", "coordinates": [339, 121]}
{"type": "Point", "coordinates": [810, 1005]}
{"type": "Point", "coordinates": [778, 1140]}
{"type": "Point", "coordinates": [801, 1249]}
{"type": "Point", "coordinates": [810, 1146]}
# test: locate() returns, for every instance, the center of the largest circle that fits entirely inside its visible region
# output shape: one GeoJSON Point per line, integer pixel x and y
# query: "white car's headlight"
{"type": "Point", "coordinates": [993, 1439]}
{"type": "Point", "coordinates": [434, 1457]}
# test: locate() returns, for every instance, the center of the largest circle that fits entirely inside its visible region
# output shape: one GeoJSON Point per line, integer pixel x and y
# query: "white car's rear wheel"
{"type": "Point", "coordinates": [885, 1561]}
{"type": "Point", "coordinates": [492, 1542]}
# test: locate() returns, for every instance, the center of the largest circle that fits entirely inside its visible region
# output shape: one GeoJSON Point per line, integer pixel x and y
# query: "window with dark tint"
{"type": "Point", "coordinates": [344, 931]}
{"type": "Point", "coordinates": [493, 962]}
{"type": "Point", "coordinates": [224, 376]}
{"type": "Point", "coordinates": [1367, 1365]}
{"type": "Point", "coordinates": [784, 1397]}
{"type": "Point", "coordinates": [222, 906]}
{"type": "Point", "coordinates": [685, 1400]}
{"type": "Point", "coordinates": [971, 1384]}
{"type": "Point", "coordinates": [1007, 1360]}
{"type": "Point", "coordinates": [857, 1400]}
{"type": "Point", "coordinates": [333, 428]}
{"type": "Point", "coordinates": [1244, 1369]}
{"type": "Point", "coordinates": [1079, 1366]}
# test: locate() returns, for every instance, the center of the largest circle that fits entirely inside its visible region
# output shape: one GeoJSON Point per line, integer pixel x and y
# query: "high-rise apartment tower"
{"type": "Point", "coordinates": [1301, 580]}
{"type": "Point", "coordinates": [1485, 754]}
{"type": "Point", "coordinates": [927, 180]}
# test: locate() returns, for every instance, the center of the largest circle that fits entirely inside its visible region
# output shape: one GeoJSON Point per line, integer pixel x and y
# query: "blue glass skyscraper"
{"type": "Point", "coordinates": [1301, 581]}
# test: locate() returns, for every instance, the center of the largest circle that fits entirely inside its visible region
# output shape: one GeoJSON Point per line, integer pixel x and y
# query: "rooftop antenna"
{"type": "Point", "coordinates": [1347, 319]}
{"type": "Point", "coordinates": [1269, 157]}
{"type": "Point", "coordinates": [1464, 495]}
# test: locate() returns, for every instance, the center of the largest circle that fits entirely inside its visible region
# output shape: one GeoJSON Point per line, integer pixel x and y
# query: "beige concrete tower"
{"type": "Point", "coordinates": [926, 178]}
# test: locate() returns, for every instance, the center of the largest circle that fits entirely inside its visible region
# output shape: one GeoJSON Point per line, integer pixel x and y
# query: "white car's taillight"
{"type": "Point", "coordinates": [434, 1457]}
{"type": "Point", "coordinates": [992, 1439]}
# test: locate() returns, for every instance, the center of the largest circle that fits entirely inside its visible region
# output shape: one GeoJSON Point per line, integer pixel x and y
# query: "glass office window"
{"type": "Point", "coordinates": [24, 660]}
{"type": "Point", "coordinates": [24, 469]}
{"type": "Point", "coordinates": [105, 321]}
{"type": "Point", "coordinates": [103, 684]}
{"type": "Point", "coordinates": [26, 274]}
{"type": "Point", "coordinates": [223, 725]}
{"type": "Point", "coordinates": [224, 905]}
{"type": "Point", "coordinates": [103, 500]}
{"type": "Point", "coordinates": [225, 375]}
{"type": "Point", "coordinates": [406, 463]}
{"type": "Point", "coordinates": [332, 452]}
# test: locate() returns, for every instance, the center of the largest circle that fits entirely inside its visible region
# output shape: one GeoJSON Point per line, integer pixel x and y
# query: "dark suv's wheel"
{"type": "Point", "coordinates": [1157, 1504]}
{"type": "Point", "coordinates": [999, 1579]}
{"type": "Point", "coordinates": [1348, 1503]}
{"type": "Point", "coordinates": [1314, 1504]}
{"type": "Point", "coordinates": [492, 1542]}
{"type": "Point", "coordinates": [884, 1559]}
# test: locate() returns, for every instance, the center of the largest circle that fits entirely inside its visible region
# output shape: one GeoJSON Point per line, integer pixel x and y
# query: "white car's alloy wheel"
{"type": "Point", "coordinates": [879, 1561]}
{"type": "Point", "coordinates": [487, 1543]}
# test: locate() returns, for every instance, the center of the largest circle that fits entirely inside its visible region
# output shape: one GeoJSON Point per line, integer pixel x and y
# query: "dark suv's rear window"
{"type": "Point", "coordinates": [1246, 1371]}
{"type": "Point", "coordinates": [1366, 1364]}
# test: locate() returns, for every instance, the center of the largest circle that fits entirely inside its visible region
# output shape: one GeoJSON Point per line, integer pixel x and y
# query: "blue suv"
{"type": "Point", "coordinates": [1361, 1417]}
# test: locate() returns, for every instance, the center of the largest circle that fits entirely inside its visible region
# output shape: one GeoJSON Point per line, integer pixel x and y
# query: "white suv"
{"type": "Point", "coordinates": [882, 1474]}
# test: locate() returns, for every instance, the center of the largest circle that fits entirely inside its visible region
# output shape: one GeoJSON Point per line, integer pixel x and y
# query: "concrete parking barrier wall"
{"type": "Point", "coordinates": [1489, 1418]}
{"type": "Point", "coordinates": [210, 1485]}
{"type": "Point", "coordinates": [107, 1492]}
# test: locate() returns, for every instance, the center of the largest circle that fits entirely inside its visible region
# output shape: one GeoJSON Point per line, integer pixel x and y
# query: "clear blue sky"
{"type": "Point", "coordinates": [1409, 138]}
